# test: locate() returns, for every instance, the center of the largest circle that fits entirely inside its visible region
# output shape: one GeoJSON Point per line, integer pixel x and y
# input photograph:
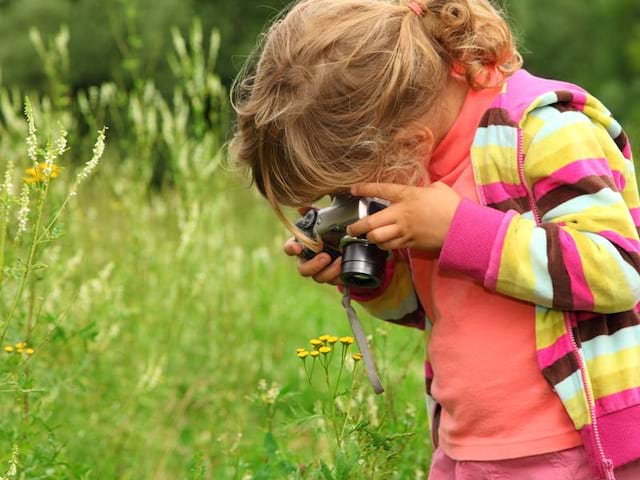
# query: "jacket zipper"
{"type": "Point", "coordinates": [532, 203]}
{"type": "Point", "coordinates": [607, 464]}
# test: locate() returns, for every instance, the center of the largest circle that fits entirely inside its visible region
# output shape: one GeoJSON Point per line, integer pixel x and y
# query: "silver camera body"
{"type": "Point", "coordinates": [363, 264]}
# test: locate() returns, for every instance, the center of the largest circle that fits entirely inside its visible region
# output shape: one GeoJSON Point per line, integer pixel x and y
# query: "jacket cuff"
{"type": "Point", "coordinates": [469, 242]}
{"type": "Point", "coordinates": [368, 294]}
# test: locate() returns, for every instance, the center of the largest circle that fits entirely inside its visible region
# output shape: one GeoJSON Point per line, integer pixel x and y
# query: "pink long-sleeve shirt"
{"type": "Point", "coordinates": [495, 402]}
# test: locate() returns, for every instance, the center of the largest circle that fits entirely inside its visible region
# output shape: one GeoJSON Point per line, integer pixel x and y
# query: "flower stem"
{"type": "Point", "coordinates": [344, 353]}
{"type": "Point", "coordinates": [29, 265]}
{"type": "Point", "coordinates": [306, 371]}
{"type": "Point", "coordinates": [334, 422]}
{"type": "Point", "coordinates": [3, 239]}
{"type": "Point", "coordinates": [312, 369]}
{"type": "Point", "coordinates": [350, 400]}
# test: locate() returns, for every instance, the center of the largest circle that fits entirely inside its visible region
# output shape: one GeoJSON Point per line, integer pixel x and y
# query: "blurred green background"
{"type": "Point", "coordinates": [596, 45]}
{"type": "Point", "coordinates": [161, 300]}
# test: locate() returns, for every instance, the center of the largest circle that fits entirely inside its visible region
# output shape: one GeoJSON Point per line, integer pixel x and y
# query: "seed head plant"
{"type": "Point", "coordinates": [24, 239]}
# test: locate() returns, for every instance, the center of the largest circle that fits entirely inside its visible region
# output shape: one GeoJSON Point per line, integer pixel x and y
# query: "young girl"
{"type": "Point", "coordinates": [513, 224]}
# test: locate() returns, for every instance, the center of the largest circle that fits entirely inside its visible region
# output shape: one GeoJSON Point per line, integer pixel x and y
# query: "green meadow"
{"type": "Point", "coordinates": [149, 329]}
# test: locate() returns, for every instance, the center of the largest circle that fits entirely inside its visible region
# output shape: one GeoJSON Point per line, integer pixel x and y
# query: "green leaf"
{"type": "Point", "coordinates": [326, 471]}
{"type": "Point", "coordinates": [285, 467]}
{"type": "Point", "coordinates": [197, 468]}
{"type": "Point", "coordinates": [89, 331]}
{"type": "Point", "coordinates": [270, 445]}
{"type": "Point", "coordinates": [57, 231]}
{"type": "Point", "coordinates": [343, 466]}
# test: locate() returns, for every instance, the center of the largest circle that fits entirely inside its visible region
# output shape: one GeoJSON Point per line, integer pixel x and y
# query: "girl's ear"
{"type": "Point", "coordinates": [417, 140]}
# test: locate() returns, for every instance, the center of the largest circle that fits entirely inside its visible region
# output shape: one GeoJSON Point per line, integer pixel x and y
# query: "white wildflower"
{"type": "Point", "coordinates": [90, 166]}
{"type": "Point", "coordinates": [7, 185]}
{"type": "Point", "coordinates": [23, 211]}
{"type": "Point", "coordinates": [272, 394]}
{"type": "Point", "coordinates": [13, 464]}
{"type": "Point", "coordinates": [267, 394]}
{"type": "Point", "coordinates": [32, 139]}
{"type": "Point", "coordinates": [49, 158]}
{"type": "Point", "coordinates": [187, 228]}
{"type": "Point", "coordinates": [61, 41]}
{"type": "Point", "coordinates": [61, 141]}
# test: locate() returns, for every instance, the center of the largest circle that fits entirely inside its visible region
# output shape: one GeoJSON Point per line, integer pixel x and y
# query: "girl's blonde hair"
{"type": "Point", "coordinates": [336, 81]}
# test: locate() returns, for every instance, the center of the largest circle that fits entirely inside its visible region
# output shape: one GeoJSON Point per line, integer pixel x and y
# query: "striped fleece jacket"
{"type": "Point", "coordinates": [558, 227]}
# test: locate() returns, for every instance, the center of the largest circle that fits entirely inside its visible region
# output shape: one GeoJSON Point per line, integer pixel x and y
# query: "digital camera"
{"type": "Point", "coordinates": [363, 264]}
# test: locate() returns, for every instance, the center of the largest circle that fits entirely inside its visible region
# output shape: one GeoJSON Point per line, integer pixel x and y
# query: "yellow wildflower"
{"type": "Point", "coordinates": [315, 353]}
{"type": "Point", "coordinates": [325, 337]}
{"type": "Point", "coordinates": [332, 340]}
{"type": "Point", "coordinates": [356, 357]}
{"type": "Point", "coordinates": [21, 344]}
{"type": "Point", "coordinates": [36, 174]}
{"type": "Point", "coordinates": [315, 342]}
{"type": "Point", "coordinates": [324, 350]}
{"type": "Point", "coordinates": [298, 350]}
{"type": "Point", "coordinates": [346, 340]}
{"type": "Point", "coordinates": [30, 351]}
{"type": "Point", "coordinates": [303, 354]}
{"type": "Point", "coordinates": [8, 348]}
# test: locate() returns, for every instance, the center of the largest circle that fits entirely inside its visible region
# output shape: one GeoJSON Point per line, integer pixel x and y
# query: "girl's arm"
{"type": "Point", "coordinates": [395, 300]}
{"type": "Point", "coordinates": [585, 252]}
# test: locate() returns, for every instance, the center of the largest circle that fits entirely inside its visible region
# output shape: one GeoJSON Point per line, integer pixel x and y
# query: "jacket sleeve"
{"type": "Point", "coordinates": [395, 300]}
{"type": "Point", "coordinates": [578, 248]}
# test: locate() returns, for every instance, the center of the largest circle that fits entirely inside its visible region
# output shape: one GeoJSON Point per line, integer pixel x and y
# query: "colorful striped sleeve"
{"type": "Point", "coordinates": [395, 300]}
{"type": "Point", "coordinates": [583, 253]}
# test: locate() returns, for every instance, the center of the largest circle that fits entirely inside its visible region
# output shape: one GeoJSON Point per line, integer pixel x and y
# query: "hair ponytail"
{"type": "Point", "coordinates": [475, 38]}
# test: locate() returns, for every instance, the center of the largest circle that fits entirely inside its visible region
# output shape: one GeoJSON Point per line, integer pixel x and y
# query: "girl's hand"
{"type": "Point", "coordinates": [418, 217]}
{"type": "Point", "coordinates": [320, 267]}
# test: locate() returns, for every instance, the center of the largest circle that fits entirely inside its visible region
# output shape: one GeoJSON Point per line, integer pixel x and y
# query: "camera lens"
{"type": "Point", "coordinates": [363, 265]}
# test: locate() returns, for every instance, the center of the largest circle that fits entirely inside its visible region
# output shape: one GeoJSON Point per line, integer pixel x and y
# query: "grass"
{"type": "Point", "coordinates": [161, 317]}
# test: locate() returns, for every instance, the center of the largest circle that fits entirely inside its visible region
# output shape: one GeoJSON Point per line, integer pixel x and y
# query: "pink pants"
{"type": "Point", "coordinates": [571, 464]}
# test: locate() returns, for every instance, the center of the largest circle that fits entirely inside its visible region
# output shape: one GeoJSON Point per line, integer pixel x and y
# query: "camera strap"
{"type": "Point", "coordinates": [361, 339]}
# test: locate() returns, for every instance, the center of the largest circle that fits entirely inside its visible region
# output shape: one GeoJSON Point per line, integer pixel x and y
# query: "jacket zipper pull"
{"type": "Point", "coordinates": [608, 469]}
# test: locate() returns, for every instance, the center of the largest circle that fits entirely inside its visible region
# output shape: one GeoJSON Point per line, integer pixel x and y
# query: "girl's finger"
{"type": "Point", "coordinates": [371, 222]}
{"type": "Point", "coordinates": [384, 234]}
{"type": "Point", "coordinates": [310, 268]}
{"type": "Point", "coordinates": [394, 244]}
{"type": "Point", "coordinates": [330, 273]}
{"type": "Point", "coordinates": [292, 247]}
{"type": "Point", "coordinates": [393, 192]}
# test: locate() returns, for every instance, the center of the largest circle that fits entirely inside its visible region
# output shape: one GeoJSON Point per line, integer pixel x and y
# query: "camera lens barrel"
{"type": "Point", "coordinates": [363, 265]}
